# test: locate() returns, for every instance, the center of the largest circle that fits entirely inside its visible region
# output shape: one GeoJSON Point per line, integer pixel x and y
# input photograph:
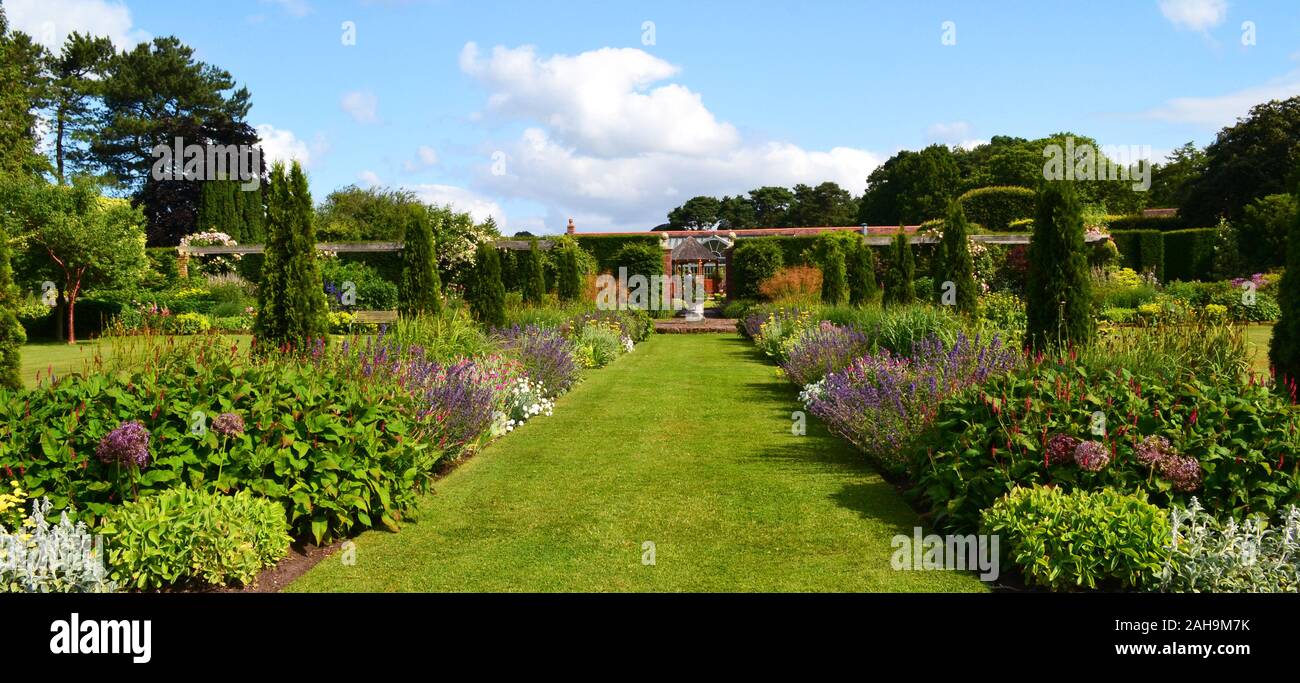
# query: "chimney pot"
{"type": "Point", "coordinates": [571, 229]}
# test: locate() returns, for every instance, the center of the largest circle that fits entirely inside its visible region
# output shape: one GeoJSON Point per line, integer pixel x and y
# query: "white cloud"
{"type": "Point", "coordinates": [600, 101]}
{"type": "Point", "coordinates": [610, 148]}
{"type": "Point", "coordinates": [1195, 15]}
{"type": "Point", "coordinates": [362, 106]}
{"type": "Point", "coordinates": [1223, 110]}
{"type": "Point", "coordinates": [462, 199]}
{"type": "Point", "coordinates": [282, 145]}
{"type": "Point", "coordinates": [297, 8]}
{"type": "Point", "coordinates": [369, 179]}
{"type": "Point", "coordinates": [425, 157]}
{"type": "Point", "coordinates": [49, 22]}
{"type": "Point", "coordinates": [948, 133]}
{"type": "Point", "coordinates": [632, 192]}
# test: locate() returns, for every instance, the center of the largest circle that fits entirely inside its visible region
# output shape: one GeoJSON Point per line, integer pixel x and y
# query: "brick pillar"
{"type": "Point", "coordinates": [183, 263]}
{"type": "Point", "coordinates": [668, 266]}
{"type": "Point", "coordinates": [730, 290]}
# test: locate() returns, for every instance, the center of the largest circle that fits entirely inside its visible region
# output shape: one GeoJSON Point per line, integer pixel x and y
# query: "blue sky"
{"type": "Point", "coordinates": [537, 112]}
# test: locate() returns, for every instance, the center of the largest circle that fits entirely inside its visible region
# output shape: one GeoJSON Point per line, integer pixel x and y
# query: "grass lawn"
{"type": "Point", "coordinates": [1257, 337]}
{"type": "Point", "coordinates": [686, 442]}
{"type": "Point", "coordinates": [68, 358]}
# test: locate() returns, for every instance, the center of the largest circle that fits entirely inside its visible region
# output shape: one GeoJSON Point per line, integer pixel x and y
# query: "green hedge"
{"type": "Point", "coordinates": [604, 247]}
{"type": "Point", "coordinates": [997, 206]}
{"type": "Point", "coordinates": [1142, 250]}
{"type": "Point", "coordinates": [1140, 222]}
{"type": "Point", "coordinates": [1189, 254]}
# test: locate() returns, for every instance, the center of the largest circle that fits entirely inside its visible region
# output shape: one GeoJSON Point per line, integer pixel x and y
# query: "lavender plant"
{"type": "Point", "coordinates": [881, 402]}
{"type": "Point", "coordinates": [823, 349]}
{"type": "Point", "coordinates": [547, 357]}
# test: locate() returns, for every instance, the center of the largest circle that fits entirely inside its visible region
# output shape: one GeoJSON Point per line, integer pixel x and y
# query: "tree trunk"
{"type": "Point", "coordinates": [72, 306]}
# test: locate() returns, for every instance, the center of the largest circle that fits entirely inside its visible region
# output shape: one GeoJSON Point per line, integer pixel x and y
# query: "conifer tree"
{"type": "Point", "coordinates": [860, 266]}
{"type": "Point", "coordinates": [955, 264]}
{"type": "Point", "coordinates": [421, 290]}
{"type": "Point", "coordinates": [900, 289]}
{"type": "Point", "coordinates": [534, 276]}
{"type": "Point", "coordinates": [1058, 288]}
{"type": "Point", "coordinates": [12, 335]}
{"type": "Point", "coordinates": [834, 288]}
{"type": "Point", "coordinates": [1284, 347]}
{"type": "Point", "coordinates": [569, 286]}
{"type": "Point", "coordinates": [291, 309]}
{"type": "Point", "coordinates": [487, 296]}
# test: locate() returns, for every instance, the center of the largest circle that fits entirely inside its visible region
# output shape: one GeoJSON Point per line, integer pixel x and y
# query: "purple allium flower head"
{"type": "Point", "coordinates": [126, 445]}
{"type": "Point", "coordinates": [1060, 449]}
{"type": "Point", "coordinates": [228, 424]}
{"type": "Point", "coordinates": [1092, 456]}
{"type": "Point", "coordinates": [1183, 471]}
{"type": "Point", "coordinates": [1153, 450]}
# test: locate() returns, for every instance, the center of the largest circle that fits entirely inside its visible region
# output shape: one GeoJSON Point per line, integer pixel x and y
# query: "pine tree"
{"type": "Point", "coordinates": [570, 278]}
{"type": "Point", "coordinates": [421, 288]}
{"type": "Point", "coordinates": [955, 264]}
{"type": "Point", "coordinates": [12, 335]}
{"type": "Point", "coordinates": [1057, 285]}
{"type": "Point", "coordinates": [834, 286]}
{"type": "Point", "coordinates": [534, 276]}
{"type": "Point", "coordinates": [900, 289]}
{"type": "Point", "coordinates": [291, 308]}
{"type": "Point", "coordinates": [1284, 348]}
{"type": "Point", "coordinates": [487, 296]}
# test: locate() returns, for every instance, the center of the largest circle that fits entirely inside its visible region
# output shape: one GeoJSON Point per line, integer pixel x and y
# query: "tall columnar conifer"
{"type": "Point", "coordinates": [901, 288]}
{"type": "Point", "coordinates": [1284, 348]}
{"type": "Point", "coordinates": [421, 290]}
{"type": "Point", "coordinates": [1057, 285]}
{"type": "Point", "coordinates": [569, 286]}
{"type": "Point", "coordinates": [860, 265]}
{"type": "Point", "coordinates": [955, 264]}
{"type": "Point", "coordinates": [12, 335]}
{"type": "Point", "coordinates": [487, 296]}
{"type": "Point", "coordinates": [835, 289]}
{"type": "Point", "coordinates": [534, 276]}
{"type": "Point", "coordinates": [291, 312]}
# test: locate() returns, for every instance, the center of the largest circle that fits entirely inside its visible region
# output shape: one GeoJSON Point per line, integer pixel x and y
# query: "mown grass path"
{"type": "Point", "coordinates": [685, 442]}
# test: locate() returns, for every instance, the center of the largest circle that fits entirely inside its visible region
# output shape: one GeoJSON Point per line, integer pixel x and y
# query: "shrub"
{"type": "Point", "coordinates": [1189, 254]}
{"type": "Point", "coordinates": [12, 335]}
{"type": "Point", "coordinates": [860, 264]}
{"type": "Point", "coordinates": [1004, 311]}
{"type": "Point", "coordinates": [534, 277]}
{"type": "Point", "coordinates": [899, 286]}
{"type": "Point", "coordinates": [640, 259]}
{"type": "Point", "coordinates": [1284, 347]}
{"type": "Point", "coordinates": [598, 343]}
{"type": "Point", "coordinates": [291, 307]}
{"type": "Point", "coordinates": [570, 275]}
{"type": "Point", "coordinates": [796, 285]}
{"type": "Point", "coordinates": [1210, 555]}
{"type": "Point", "coordinates": [987, 442]}
{"type": "Point", "coordinates": [1118, 315]}
{"type": "Point", "coordinates": [954, 259]}
{"type": "Point", "coordinates": [188, 323]}
{"type": "Point", "coordinates": [1066, 540]}
{"type": "Point", "coordinates": [1141, 250]}
{"type": "Point", "coordinates": [1058, 306]}
{"type": "Point", "coordinates": [1140, 222]}
{"type": "Point", "coordinates": [996, 207]}
{"type": "Point", "coordinates": [1262, 230]}
{"type": "Point", "coordinates": [486, 294]}
{"type": "Point", "coordinates": [182, 536]}
{"type": "Point", "coordinates": [835, 287]}
{"type": "Point", "coordinates": [881, 403]}
{"type": "Point", "coordinates": [823, 349]}
{"type": "Point", "coordinates": [547, 357]}
{"type": "Point", "coordinates": [421, 290]}
{"type": "Point", "coordinates": [39, 557]}
{"type": "Point", "coordinates": [753, 261]}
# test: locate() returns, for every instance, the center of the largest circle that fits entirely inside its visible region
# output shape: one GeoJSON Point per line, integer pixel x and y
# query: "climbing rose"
{"type": "Point", "coordinates": [126, 445]}
{"type": "Point", "coordinates": [1091, 456]}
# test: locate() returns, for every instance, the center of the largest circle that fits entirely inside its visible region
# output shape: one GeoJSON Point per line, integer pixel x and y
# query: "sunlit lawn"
{"type": "Point", "coordinates": [39, 359]}
{"type": "Point", "coordinates": [1257, 337]}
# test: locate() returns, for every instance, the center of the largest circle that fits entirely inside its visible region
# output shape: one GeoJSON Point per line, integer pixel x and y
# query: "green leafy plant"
{"type": "Point", "coordinates": [1066, 540]}
{"type": "Point", "coordinates": [1212, 555]}
{"type": "Point", "coordinates": [181, 536]}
